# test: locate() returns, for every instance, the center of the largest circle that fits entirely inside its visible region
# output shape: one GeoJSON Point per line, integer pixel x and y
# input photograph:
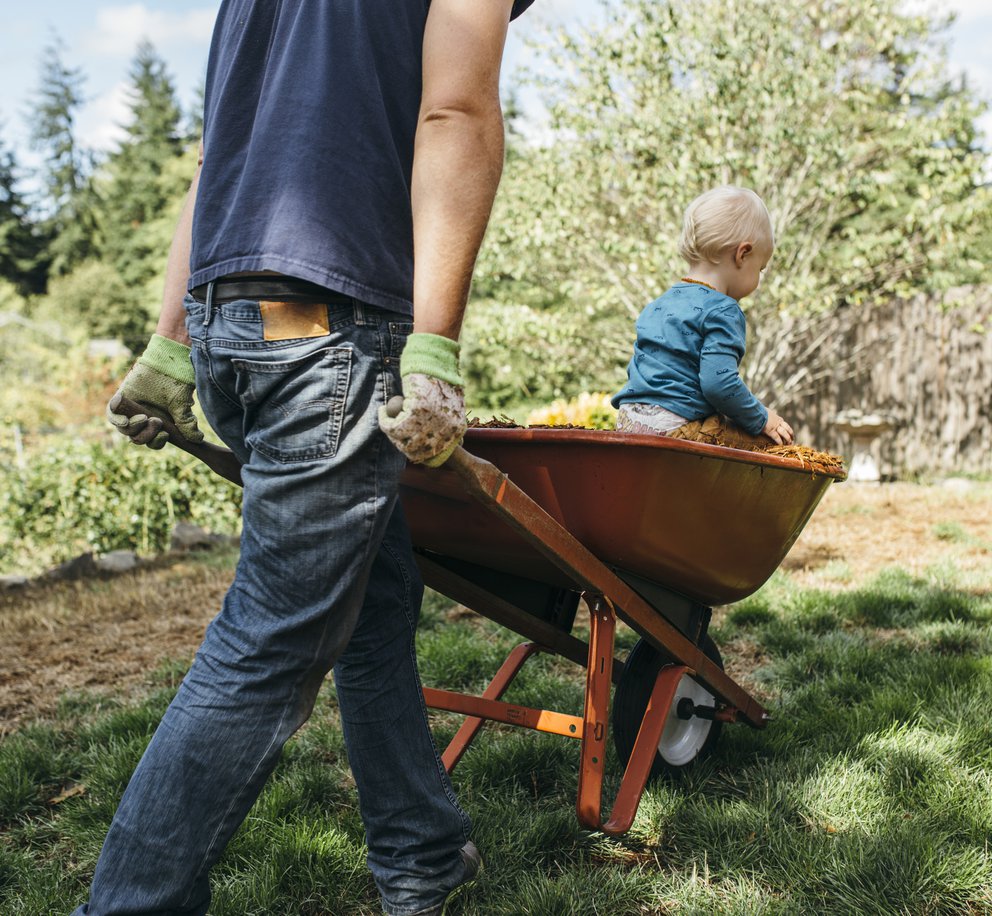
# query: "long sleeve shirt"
{"type": "Point", "coordinates": [690, 342]}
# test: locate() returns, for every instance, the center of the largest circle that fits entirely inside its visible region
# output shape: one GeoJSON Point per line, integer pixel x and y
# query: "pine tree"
{"type": "Point", "coordinates": [136, 190]}
{"type": "Point", "coordinates": [22, 244]}
{"type": "Point", "coordinates": [67, 197]}
{"type": "Point", "coordinates": [194, 117]}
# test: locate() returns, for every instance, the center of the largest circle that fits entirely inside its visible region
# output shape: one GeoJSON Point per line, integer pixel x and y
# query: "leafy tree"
{"type": "Point", "coordinates": [22, 244]}
{"type": "Point", "coordinates": [840, 113]}
{"type": "Point", "coordinates": [68, 200]}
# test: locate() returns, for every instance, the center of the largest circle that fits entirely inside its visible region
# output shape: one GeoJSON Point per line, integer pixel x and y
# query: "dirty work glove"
{"type": "Point", "coordinates": [162, 381]}
{"type": "Point", "coordinates": [431, 424]}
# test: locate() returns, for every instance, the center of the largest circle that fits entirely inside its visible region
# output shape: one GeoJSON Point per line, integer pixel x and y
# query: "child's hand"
{"type": "Point", "coordinates": [777, 429]}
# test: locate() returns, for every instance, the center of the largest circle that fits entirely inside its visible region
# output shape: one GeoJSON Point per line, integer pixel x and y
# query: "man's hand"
{"type": "Point", "coordinates": [161, 381]}
{"type": "Point", "coordinates": [431, 424]}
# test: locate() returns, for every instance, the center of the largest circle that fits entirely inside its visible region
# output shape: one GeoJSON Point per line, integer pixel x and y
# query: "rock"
{"type": "Point", "coordinates": [8, 583]}
{"type": "Point", "coordinates": [82, 567]}
{"type": "Point", "coordinates": [117, 561]}
{"type": "Point", "coordinates": [187, 536]}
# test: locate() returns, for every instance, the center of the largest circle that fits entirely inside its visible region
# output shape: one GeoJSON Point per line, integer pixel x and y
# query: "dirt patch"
{"type": "Point", "coordinates": [100, 636]}
{"type": "Point", "coordinates": [861, 529]}
{"type": "Point", "coordinates": [107, 636]}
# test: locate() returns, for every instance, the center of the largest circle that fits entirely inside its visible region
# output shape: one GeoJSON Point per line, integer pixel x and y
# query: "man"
{"type": "Point", "coordinates": [339, 137]}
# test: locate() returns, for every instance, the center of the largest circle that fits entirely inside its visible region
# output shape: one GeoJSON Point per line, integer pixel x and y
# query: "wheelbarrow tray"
{"type": "Point", "coordinates": [709, 522]}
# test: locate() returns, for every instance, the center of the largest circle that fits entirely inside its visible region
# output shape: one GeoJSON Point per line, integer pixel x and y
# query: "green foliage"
{"type": "Point", "coordinates": [516, 353]}
{"type": "Point", "coordinates": [50, 382]}
{"type": "Point", "coordinates": [92, 300]}
{"type": "Point", "coordinates": [75, 497]}
{"type": "Point", "coordinates": [841, 115]}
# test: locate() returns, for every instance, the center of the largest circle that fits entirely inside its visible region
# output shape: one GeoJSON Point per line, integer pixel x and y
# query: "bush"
{"type": "Point", "coordinates": [93, 300]}
{"type": "Point", "coordinates": [515, 354]}
{"type": "Point", "coordinates": [72, 497]}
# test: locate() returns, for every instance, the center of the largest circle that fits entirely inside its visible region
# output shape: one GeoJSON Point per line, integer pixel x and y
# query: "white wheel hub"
{"type": "Point", "coordinates": [683, 739]}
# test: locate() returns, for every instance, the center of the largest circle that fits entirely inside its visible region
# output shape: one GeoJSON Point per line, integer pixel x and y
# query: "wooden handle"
{"type": "Point", "coordinates": [219, 459]}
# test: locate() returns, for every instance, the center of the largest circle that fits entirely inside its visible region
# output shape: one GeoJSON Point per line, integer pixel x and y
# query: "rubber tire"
{"type": "Point", "coordinates": [630, 699]}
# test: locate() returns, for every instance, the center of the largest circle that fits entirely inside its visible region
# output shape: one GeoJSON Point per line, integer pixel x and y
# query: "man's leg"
{"type": "Point", "coordinates": [320, 487]}
{"type": "Point", "coordinates": [414, 826]}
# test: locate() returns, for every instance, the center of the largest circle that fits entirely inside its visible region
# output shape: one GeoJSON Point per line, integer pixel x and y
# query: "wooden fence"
{"type": "Point", "coordinates": [925, 363]}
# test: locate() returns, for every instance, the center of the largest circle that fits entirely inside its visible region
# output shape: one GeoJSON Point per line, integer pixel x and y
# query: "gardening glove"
{"type": "Point", "coordinates": [431, 423]}
{"type": "Point", "coordinates": [162, 382]}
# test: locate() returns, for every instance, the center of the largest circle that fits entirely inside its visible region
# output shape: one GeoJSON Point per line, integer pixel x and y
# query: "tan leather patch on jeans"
{"type": "Point", "coordinates": [290, 320]}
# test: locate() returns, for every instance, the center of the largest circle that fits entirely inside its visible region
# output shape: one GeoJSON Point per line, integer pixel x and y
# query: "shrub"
{"type": "Point", "coordinates": [71, 497]}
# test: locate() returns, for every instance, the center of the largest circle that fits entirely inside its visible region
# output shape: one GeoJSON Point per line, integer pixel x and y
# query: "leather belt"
{"type": "Point", "coordinates": [272, 288]}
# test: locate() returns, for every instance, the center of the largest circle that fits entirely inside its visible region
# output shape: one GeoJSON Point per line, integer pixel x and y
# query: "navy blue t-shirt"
{"type": "Point", "coordinates": [310, 112]}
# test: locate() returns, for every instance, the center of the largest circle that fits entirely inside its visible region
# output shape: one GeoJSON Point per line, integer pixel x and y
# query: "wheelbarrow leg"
{"type": "Point", "coordinates": [599, 674]}
{"type": "Point", "coordinates": [497, 687]}
{"type": "Point", "coordinates": [635, 777]}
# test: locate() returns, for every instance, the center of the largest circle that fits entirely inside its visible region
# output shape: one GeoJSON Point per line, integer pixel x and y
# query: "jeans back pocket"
{"type": "Point", "coordinates": [294, 408]}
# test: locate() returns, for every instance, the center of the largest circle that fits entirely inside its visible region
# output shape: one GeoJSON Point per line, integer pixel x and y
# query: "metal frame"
{"type": "Point", "coordinates": [608, 598]}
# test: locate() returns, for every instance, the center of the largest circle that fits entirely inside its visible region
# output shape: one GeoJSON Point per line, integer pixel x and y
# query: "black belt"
{"type": "Point", "coordinates": [274, 288]}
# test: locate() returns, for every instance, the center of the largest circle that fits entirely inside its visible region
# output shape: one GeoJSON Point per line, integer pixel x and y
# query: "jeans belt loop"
{"type": "Point", "coordinates": [359, 307]}
{"type": "Point", "coordinates": [209, 304]}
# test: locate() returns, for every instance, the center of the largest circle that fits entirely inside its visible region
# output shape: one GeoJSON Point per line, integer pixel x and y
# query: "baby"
{"type": "Point", "coordinates": [684, 380]}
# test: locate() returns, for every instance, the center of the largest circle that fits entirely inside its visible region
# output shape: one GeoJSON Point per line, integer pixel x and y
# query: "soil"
{"type": "Point", "coordinates": [106, 637]}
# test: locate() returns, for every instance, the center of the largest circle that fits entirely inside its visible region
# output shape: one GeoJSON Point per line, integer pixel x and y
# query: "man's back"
{"type": "Point", "coordinates": [309, 122]}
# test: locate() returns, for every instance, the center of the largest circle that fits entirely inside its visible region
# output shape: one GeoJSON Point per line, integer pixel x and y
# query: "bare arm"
{"type": "Point", "coordinates": [171, 319]}
{"type": "Point", "coordinates": [458, 156]}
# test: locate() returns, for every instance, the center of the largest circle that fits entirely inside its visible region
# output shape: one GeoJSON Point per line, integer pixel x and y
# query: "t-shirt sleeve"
{"type": "Point", "coordinates": [519, 6]}
{"type": "Point", "coordinates": [722, 349]}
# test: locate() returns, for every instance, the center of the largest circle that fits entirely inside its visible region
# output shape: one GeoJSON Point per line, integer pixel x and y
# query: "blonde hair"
{"type": "Point", "coordinates": [720, 219]}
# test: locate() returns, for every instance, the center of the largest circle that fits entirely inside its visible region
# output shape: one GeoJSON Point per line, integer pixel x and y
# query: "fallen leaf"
{"type": "Point", "coordinates": [68, 792]}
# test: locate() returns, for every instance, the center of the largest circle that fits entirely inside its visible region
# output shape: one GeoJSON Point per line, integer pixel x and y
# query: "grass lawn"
{"type": "Point", "coordinates": [869, 792]}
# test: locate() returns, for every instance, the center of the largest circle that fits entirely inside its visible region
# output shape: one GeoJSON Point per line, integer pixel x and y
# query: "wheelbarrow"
{"type": "Point", "coordinates": [521, 524]}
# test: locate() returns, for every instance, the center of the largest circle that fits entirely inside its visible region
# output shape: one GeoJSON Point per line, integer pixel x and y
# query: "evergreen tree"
{"type": "Point", "coordinates": [22, 244]}
{"type": "Point", "coordinates": [194, 129]}
{"type": "Point", "coordinates": [64, 174]}
{"type": "Point", "coordinates": [135, 192]}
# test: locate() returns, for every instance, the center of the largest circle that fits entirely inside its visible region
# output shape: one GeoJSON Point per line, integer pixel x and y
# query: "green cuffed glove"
{"type": "Point", "coordinates": [162, 382]}
{"type": "Point", "coordinates": [432, 423]}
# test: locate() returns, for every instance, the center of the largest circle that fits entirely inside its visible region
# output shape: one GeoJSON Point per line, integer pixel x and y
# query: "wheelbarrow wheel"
{"type": "Point", "coordinates": [684, 740]}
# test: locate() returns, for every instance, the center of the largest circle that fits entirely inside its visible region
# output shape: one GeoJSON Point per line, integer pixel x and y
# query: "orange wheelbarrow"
{"type": "Point", "coordinates": [521, 523]}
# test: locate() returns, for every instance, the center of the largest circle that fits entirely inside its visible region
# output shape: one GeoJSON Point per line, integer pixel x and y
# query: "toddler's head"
{"type": "Point", "coordinates": [728, 230]}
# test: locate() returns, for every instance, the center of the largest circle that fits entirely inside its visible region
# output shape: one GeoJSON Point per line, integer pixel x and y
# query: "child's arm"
{"type": "Point", "coordinates": [719, 373]}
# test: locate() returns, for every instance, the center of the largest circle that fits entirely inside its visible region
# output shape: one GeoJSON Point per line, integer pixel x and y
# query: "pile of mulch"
{"type": "Point", "coordinates": [816, 462]}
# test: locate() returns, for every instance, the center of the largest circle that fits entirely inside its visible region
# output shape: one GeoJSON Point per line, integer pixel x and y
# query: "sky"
{"type": "Point", "coordinates": [101, 38]}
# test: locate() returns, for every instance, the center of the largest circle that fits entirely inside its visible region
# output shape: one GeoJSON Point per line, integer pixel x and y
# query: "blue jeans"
{"type": "Point", "coordinates": [326, 578]}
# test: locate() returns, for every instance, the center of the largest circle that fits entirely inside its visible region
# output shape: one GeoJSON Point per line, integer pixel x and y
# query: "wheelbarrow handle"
{"type": "Point", "coordinates": [224, 462]}
{"type": "Point", "coordinates": [219, 459]}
